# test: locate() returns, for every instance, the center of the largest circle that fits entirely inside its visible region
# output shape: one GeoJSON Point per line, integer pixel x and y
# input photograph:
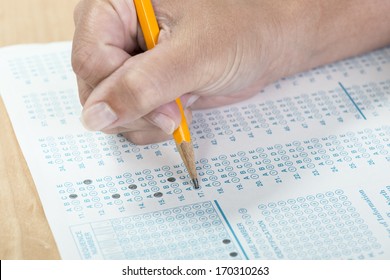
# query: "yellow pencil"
{"type": "Point", "coordinates": [182, 136]}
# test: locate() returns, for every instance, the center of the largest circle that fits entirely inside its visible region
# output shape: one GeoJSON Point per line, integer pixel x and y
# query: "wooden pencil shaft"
{"type": "Point", "coordinates": [187, 154]}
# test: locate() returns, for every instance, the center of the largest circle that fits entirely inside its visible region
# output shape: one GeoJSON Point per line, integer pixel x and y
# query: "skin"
{"type": "Point", "coordinates": [209, 53]}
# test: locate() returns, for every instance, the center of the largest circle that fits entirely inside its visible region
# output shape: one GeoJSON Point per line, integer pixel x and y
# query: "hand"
{"type": "Point", "coordinates": [219, 53]}
{"type": "Point", "coordinates": [209, 53]}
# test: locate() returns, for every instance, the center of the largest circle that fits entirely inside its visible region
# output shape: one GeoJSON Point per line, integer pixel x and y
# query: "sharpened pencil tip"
{"type": "Point", "coordinates": [196, 183]}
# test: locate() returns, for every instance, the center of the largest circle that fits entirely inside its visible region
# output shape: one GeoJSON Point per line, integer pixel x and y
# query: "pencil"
{"type": "Point", "coordinates": [181, 135]}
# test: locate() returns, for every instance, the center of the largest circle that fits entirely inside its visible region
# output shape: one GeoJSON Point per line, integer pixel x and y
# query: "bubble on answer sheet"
{"type": "Point", "coordinates": [171, 179]}
{"type": "Point", "coordinates": [158, 194]}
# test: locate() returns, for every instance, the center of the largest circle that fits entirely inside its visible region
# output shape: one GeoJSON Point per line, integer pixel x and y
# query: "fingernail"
{"type": "Point", "coordinates": [162, 121]}
{"type": "Point", "coordinates": [98, 116]}
{"type": "Point", "coordinates": [191, 101]}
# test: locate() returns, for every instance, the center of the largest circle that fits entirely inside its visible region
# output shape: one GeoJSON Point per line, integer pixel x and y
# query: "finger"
{"type": "Point", "coordinates": [154, 120]}
{"type": "Point", "coordinates": [143, 132]}
{"type": "Point", "coordinates": [146, 137]}
{"type": "Point", "coordinates": [104, 35]}
{"type": "Point", "coordinates": [144, 83]}
{"type": "Point", "coordinates": [139, 125]}
{"type": "Point", "coordinates": [84, 90]}
{"type": "Point", "coordinates": [166, 117]}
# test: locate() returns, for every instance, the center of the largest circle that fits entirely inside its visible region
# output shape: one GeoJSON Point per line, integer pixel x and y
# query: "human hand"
{"type": "Point", "coordinates": [214, 52]}
{"type": "Point", "coordinates": [210, 53]}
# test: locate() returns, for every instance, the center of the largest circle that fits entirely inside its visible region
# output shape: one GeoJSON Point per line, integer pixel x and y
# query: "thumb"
{"type": "Point", "coordinates": [143, 83]}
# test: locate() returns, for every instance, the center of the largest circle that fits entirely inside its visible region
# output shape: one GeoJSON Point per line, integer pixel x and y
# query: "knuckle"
{"type": "Point", "coordinates": [84, 59]}
{"type": "Point", "coordinates": [81, 62]}
{"type": "Point", "coordinates": [84, 91]}
{"type": "Point", "coordinates": [77, 11]}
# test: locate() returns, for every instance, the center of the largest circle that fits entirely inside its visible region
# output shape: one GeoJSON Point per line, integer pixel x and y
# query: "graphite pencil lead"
{"type": "Point", "coordinates": [195, 183]}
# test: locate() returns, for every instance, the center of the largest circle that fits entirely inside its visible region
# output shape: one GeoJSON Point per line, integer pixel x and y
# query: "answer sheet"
{"type": "Point", "coordinates": [299, 171]}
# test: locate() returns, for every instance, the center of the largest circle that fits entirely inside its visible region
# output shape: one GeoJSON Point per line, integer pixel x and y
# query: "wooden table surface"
{"type": "Point", "coordinates": [24, 231]}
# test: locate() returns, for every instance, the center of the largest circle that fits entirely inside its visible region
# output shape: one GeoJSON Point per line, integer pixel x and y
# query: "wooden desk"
{"type": "Point", "coordinates": [24, 231]}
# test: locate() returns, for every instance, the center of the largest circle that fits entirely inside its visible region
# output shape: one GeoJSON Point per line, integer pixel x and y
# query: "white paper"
{"type": "Point", "coordinates": [300, 171]}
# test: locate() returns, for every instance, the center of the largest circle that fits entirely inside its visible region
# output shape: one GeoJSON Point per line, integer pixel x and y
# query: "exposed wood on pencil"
{"type": "Point", "coordinates": [187, 154]}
